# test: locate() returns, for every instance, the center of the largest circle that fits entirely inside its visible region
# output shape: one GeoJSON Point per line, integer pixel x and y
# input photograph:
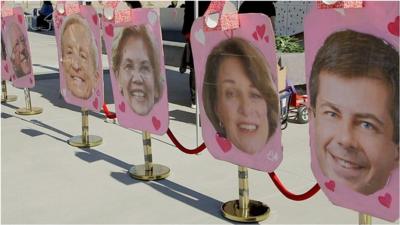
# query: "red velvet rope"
{"type": "Point", "coordinates": [290, 195]}
{"type": "Point", "coordinates": [109, 115]}
{"type": "Point", "coordinates": [183, 149]}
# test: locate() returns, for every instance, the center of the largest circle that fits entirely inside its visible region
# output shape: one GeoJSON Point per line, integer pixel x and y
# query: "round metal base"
{"type": "Point", "coordinates": [26, 112]}
{"type": "Point", "coordinates": [256, 212]}
{"type": "Point", "coordinates": [9, 98]}
{"type": "Point", "coordinates": [139, 172]}
{"type": "Point", "coordinates": [93, 141]}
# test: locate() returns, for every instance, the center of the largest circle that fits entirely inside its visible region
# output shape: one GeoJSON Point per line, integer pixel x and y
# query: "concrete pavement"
{"type": "Point", "coordinates": [45, 180]}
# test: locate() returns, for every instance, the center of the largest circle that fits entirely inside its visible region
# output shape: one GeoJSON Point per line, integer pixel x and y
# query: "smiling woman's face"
{"type": "Point", "coordinates": [241, 108]}
{"type": "Point", "coordinates": [78, 62]}
{"type": "Point", "coordinates": [136, 76]}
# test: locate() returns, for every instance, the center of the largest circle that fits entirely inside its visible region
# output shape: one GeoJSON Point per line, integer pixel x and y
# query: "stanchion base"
{"type": "Point", "coordinates": [139, 172]}
{"type": "Point", "coordinates": [27, 112]}
{"type": "Point", "coordinates": [9, 98]}
{"type": "Point", "coordinates": [93, 141]}
{"type": "Point", "coordinates": [256, 212]}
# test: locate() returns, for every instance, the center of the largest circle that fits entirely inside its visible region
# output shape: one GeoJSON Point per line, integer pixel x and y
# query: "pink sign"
{"type": "Point", "coordinates": [352, 67]}
{"type": "Point", "coordinates": [18, 63]}
{"type": "Point", "coordinates": [79, 54]}
{"type": "Point", "coordinates": [137, 70]}
{"type": "Point", "coordinates": [236, 82]}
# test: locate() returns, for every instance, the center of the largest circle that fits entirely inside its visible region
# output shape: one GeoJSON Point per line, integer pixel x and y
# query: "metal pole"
{"type": "Point", "coordinates": [243, 191]}
{"type": "Point", "coordinates": [85, 126]}
{"type": "Point", "coordinates": [3, 90]}
{"type": "Point", "coordinates": [148, 157]}
{"type": "Point", "coordinates": [28, 99]}
{"type": "Point", "coordinates": [364, 219]}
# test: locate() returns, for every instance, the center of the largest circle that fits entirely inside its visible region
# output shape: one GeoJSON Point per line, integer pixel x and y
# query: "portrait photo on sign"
{"type": "Point", "coordinates": [81, 74]}
{"type": "Point", "coordinates": [353, 86]}
{"type": "Point", "coordinates": [16, 45]}
{"type": "Point", "coordinates": [137, 71]}
{"type": "Point", "coordinates": [136, 67]}
{"type": "Point", "coordinates": [236, 79]}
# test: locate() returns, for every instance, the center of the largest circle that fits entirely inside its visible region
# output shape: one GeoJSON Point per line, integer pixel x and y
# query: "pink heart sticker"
{"type": "Point", "coordinates": [110, 30]}
{"type": "Point", "coordinates": [96, 103]}
{"type": "Point", "coordinates": [156, 122]}
{"type": "Point", "coordinates": [260, 30]}
{"type": "Point", "coordinates": [6, 67]}
{"type": "Point", "coordinates": [255, 36]}
{"type": "Point", "coordinates": [393, 27]}
{"type": "Point", "coordinates": [266, 38]}
{"type": "Point", "coordinates": [121, 106]}
{"type": "Point", "coordinates": [385, 200]}
{"type": "Point", "coordinates": [95, 18]}
{"type": "Point", "coordinates": [20, 19]}
{"type": "Point", "coordinates": [223, 143]}
{"type": "Point", "coordinates": [330, 185]}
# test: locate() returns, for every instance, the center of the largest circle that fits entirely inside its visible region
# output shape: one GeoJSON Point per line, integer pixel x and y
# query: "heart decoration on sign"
{"type": "Point", "coordinates": [152, 17]}
{"type": "Point", "coordinates": [156, 122]}
{"type": "Point", "coordinates": [95, 103]}
{"type": "Point", "coordinates": [393, 27]}
{"type": "Point", "coordinates": [223, 143]}
{"type": "Point", "coordinates": [385, 200]}
{"type": "Point", "coordinates": [110, 30]}
{"type": "Point", "coordinates": [20, 19]}
{"type": "Point", "coordinates": [259, 33]}
{"type": "Point", "coordinates": [121, 106]}
{"type": "Point", "coordinates": [95, 19]}
{"type": "Point", "coordinates": [330, 185]}
{"type": "Point", "coordinates": [200, 37]}
{"type": "Point", "coordinates": [272, 156]}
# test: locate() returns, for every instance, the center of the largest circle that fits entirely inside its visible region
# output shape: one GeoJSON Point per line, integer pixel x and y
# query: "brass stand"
{"type": "Point", "coordinates": [29, 110]}
{"type": "Point", "coordinates": [148, 171]}
{"type": "Point", "coordinates": [85, 140]}
{"type": "Point", "coordinates": [364, 219]}
{"type": "Point", "coordinates": [245, 210]}
{"type": "Point", "coordinates": [4, 96]}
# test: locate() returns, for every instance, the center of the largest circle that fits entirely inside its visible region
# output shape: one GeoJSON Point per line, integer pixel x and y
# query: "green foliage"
{"type": "Point", "coordinates": [287, 44]}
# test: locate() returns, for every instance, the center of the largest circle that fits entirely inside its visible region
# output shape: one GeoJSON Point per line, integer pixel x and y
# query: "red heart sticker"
{"type": "Point", "coordinates": [96, 103]}
{"type": "Point", "coordinates": [266, 38]}
{"type": "Point", "coordinates": [95, 18]}
{"type": "Point", "coordinates": [260, 30]}
{"type": "Point", "coordinates": [20, 19]}
{"type": "Point", "coordinates": [223, 143]}
{"type": "Point", "coordinates": [110, 30]}
{"type": "Point", "coordinates": [156, 122]}
{"type": "Point", "coordinates": [393, 27]}
{"type": "Point", "coordinates": [121, 106]}
{"type": "Point", "coordinates": [385, 200]}
{"type": "Point", "coordinates": [330, 185]}
{"type": "Point", "coordinates": [6, 67]}
{"type": "Point", "coordinates": [255, 36]}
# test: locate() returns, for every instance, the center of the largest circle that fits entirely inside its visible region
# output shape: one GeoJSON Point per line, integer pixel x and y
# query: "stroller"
{"type": "Point", "coordinates": [293, 105]}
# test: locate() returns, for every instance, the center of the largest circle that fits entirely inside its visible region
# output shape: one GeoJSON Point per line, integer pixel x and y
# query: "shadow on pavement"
{"type": "Point", "coordinates": [188, 196]}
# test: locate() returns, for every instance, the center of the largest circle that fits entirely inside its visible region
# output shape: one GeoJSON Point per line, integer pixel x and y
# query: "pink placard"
{"type": "Point", "coordinates": [18, 61]}
{"type": "Point", "coordinates": [137, 70]}
{"type": "Point", "coordinates": [354, 152]}
{"type": "Point", "coordinates": [5, 71]}
{"type": "Point", "coordinates": [236, 82]}
{"type": "Point", "coordinates": [79, 54]}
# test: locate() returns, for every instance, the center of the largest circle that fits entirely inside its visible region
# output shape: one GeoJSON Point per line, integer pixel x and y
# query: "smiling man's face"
{"type": "Point", "coordinates": [354, 132]}
{"type": "Point", "coordinates": [78, 61]}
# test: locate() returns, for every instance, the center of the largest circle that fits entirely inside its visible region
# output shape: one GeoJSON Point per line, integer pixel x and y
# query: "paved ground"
{"type": "Point", "coordinates": [44, 180]}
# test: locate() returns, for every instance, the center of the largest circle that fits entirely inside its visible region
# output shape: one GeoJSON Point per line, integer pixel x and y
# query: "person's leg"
{"type": "Point", "coordinates": [40, 21]}
{"type": "Point", "coordinates": [192, 85]}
